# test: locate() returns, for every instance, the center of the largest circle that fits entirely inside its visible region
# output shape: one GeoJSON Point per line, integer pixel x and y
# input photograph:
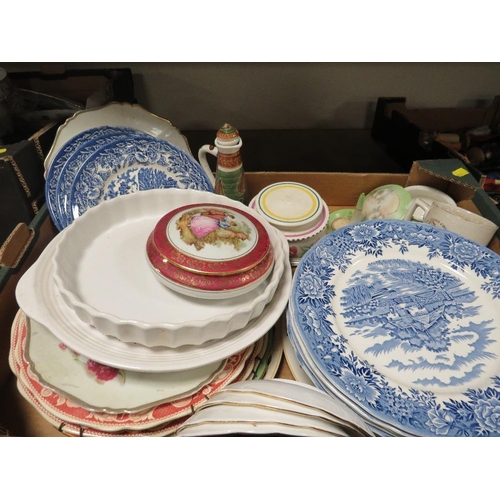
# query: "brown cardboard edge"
{"type": "Point", "coordinates": [15, 246]}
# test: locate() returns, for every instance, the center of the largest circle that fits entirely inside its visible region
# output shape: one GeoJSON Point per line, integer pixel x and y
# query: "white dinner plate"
{"type": "Point", "coordinates": [116, 114]}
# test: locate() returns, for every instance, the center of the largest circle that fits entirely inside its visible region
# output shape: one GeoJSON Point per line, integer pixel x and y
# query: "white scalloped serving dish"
{"type": "Point", "coordinates": [102, 273]}
{"type": "Point", "coordinates": [116, 114]}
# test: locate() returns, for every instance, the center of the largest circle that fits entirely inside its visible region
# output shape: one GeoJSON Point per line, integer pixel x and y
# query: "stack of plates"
{"type": "Point", "coordinates": [93, 292]}
{"type": "Point", "coordinates": [82, 397]}
{"type": "Point", "coordinates": [272, 407]}
{"type": "Point", "coordinates": [399, 320]}
{"type": "Point", "coordinates": [100, 345]}
{"type": "Point", "coordinates": [106, 152]}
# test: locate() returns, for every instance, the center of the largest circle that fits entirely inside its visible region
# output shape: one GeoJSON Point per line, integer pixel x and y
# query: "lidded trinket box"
{"type": "Point", "coordinates": [210, 251]}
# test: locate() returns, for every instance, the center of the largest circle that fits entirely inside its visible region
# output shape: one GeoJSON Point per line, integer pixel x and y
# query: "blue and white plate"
{"type": "Point", "coordinates": [69, 158]}
{"type": "Point", "coordinates": [125, 166]}
{"type": "Point", "coordinates": [403, 319]}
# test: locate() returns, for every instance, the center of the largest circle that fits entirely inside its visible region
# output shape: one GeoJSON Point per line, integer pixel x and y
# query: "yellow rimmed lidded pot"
{"type": "Point", "coordinates": [297, 210]}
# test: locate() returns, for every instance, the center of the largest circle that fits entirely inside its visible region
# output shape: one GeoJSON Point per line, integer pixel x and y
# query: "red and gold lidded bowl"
{"type": "Point", "coordinates": [210, 250]}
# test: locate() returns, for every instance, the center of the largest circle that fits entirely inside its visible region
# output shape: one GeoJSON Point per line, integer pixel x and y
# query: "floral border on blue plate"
{"type": "Point", "coordinates": [418, 302]}
{"type": "Point", "coordinates": [84, 153]}
{"type": "Point", "coordinates": [128, 165]}
{"type": "Point", "coordinates": [66, 157]}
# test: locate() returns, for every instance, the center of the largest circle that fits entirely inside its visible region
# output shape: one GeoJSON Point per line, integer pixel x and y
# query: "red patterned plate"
{"type": "Point", "coordinates": [211, 239]}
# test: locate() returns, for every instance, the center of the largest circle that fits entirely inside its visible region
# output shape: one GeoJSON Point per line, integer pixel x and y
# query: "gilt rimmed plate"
{"type": "Point", "coordinates": [127, 166]}
{"type": "Point", "coordinates": [402, 318]}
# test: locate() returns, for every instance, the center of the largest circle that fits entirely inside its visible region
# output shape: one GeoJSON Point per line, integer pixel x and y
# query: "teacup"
{"type": "Point", "coordinates": [463, 222]}
{"type": "Point", "coordinates": [390, 201]}
{"type": "Point", "coordinates": [428, 194]}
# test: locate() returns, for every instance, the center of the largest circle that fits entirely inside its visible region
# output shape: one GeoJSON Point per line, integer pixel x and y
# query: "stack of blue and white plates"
{"type": "Point", "coordinates": [102, 153]}
{"type": "Point", "coordinates": [399, 320]}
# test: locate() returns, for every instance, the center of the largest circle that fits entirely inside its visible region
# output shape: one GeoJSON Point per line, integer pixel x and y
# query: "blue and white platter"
{"type": "Point", "coordinates": [403, 319]}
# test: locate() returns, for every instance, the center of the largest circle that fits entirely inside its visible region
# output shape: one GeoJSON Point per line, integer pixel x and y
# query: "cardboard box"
{"type": "Point", "coordinates": [341, 190]}
{"type": "Point", "coordinates": [338, 189]}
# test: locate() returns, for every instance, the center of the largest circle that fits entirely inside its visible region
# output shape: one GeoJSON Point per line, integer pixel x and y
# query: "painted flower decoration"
{"type": "Point", "coordinates": [102, 373]}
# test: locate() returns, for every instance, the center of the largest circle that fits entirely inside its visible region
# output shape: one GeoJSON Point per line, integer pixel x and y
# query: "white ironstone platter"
{"type": "Point", "coordinates": [402, 318]}
{"type": "Point", "coordinates": [116, 114]}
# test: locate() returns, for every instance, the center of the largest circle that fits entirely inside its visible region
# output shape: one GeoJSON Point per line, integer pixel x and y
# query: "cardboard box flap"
{"type": "Point", "coordinates": [449, 176]}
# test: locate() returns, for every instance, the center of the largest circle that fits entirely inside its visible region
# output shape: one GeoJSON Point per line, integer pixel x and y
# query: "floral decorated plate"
{"type": "Point", "coordinates": [126, 166]}
{"type": "Point", "coordinates": [401, 317]}
{"type": "Point", "coordinates": [102, 388]}
{"type": "Point", "coordinates": [69, 411]}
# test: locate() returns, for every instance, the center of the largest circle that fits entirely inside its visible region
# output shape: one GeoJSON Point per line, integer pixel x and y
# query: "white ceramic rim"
{"type": "Point", "coordinates": [302, 235]}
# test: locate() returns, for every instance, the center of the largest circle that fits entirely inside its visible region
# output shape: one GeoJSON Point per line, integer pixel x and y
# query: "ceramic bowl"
{"type": "Point", "coordinates": [297, 211]}
{"type": "Point", "coordinates": [290, 206]}
{"type": "Point", "coordinates": [209, 250]}
{"type": "Point", "coordinates": [211, 239]}
{"type": "Point", "coordinates": [102, 274]}
{"type": "Point", "coordinates": [207, 286]}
